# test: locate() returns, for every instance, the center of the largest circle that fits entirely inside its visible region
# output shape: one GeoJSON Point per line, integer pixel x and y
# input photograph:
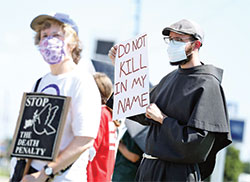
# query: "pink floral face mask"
{"type": "Point", "coordinates": [52, 50]}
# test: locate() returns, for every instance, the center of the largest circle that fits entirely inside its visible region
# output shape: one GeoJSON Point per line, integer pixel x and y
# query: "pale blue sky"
{"type": "Point", "coordinates": [225, 22]}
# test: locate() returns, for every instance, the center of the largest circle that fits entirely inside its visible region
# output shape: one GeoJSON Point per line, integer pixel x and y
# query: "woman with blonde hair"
{"type": "Point", "coordinates": [58, 43]}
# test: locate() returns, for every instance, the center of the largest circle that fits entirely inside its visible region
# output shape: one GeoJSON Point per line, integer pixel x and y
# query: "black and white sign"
{"type": "Point", "coordinates": [40, 126]}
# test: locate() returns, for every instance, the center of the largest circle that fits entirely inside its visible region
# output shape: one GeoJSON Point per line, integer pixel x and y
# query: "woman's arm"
{"type": "Point", "coordinates": [78, 145]}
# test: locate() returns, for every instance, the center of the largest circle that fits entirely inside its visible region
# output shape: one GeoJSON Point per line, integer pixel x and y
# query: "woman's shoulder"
{"type": "Point", "coordinates": [82, 74]}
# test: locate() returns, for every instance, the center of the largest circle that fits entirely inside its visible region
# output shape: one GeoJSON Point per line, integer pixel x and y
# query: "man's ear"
{"type": "Point", "coordinates": [197, 44]}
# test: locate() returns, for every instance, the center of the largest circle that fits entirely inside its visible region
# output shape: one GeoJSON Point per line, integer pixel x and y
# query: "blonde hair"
{"type": "Point", "coordinates": [75, 43]}
{"type": "Point", "coordinates": [104, 85]}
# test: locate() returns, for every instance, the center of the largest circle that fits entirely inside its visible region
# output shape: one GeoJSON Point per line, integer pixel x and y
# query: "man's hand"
{"type": "Point", "coordinates": [112, 54]}
{"type": "Point", "coordinates": [153, 112]}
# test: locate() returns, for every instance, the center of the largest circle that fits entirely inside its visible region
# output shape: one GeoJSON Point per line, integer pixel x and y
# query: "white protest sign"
{"type": "Point", "coordinates": [131, 81]}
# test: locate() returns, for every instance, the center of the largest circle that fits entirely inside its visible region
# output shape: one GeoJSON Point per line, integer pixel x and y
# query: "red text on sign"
{"type": "Point", "coordinates": [139, 80]}
{"type": "Point", "coordinates": [120, 87]}
{"type": "Point", "coordinates": [127, 103]}
{"type": "Point", "coordinates": [127, 67]}
{"type": "Point", "coordinates": [135, 44]}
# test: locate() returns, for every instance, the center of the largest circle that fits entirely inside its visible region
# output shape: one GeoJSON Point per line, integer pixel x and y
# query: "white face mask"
{"type": "Point", "coordinates": [176, 51]}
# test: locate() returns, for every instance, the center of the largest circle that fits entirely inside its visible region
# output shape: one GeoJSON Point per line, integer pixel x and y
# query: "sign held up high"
{"type": "Point", "coordinates": [131, 82]}
{"type": "Point", "coordinates": [40, 126]}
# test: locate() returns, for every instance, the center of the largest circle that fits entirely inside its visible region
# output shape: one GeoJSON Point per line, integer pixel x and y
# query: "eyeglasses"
{"type": "Point", "coordinates": [167, 40]}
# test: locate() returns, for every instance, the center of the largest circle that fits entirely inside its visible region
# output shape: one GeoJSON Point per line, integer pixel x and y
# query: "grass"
{"type": "Point", "coordinates": [4, 172]}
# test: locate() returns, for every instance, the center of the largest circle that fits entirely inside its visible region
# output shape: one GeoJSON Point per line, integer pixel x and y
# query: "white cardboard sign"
{"type": "Point", "coordinates": [131, 81]}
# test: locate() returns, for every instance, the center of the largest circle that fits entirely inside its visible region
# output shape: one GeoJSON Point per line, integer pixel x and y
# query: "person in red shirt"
{"type": "Point", "coordinates": [101, 165]}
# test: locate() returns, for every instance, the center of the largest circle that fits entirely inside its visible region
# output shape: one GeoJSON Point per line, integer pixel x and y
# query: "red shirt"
{"type": "Point", "coordinates": [102, 166]}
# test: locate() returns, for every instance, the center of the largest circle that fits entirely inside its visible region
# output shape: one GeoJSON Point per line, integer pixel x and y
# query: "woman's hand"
{"type": "Point", "coordinates": [39, 176]}
{"type": "Point", "coordinates": [112, 53]}
{"type": "Point", "coordinates": [153, 112]}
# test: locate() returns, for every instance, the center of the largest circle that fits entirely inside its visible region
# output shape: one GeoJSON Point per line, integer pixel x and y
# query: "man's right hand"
{"type": "Point", "coordinates": [153, 112]}
{"type": "Point", "coordinates": [112, 53]}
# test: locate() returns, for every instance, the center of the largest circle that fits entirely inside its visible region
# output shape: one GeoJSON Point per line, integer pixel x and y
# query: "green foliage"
{"type": "Point", "coordinates": [246, 167]}
{"type": "Point", "coordinates": [233, 166]}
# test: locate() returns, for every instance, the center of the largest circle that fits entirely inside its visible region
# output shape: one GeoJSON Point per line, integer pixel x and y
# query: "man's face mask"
{"type": "Point", "coordinates": [176, 51]}
{"type": "Point", "coordinates": [52, 50]}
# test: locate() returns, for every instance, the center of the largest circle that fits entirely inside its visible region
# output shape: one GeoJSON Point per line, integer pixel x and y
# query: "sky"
{"type": "Point", "coordinates": [226, 45]}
